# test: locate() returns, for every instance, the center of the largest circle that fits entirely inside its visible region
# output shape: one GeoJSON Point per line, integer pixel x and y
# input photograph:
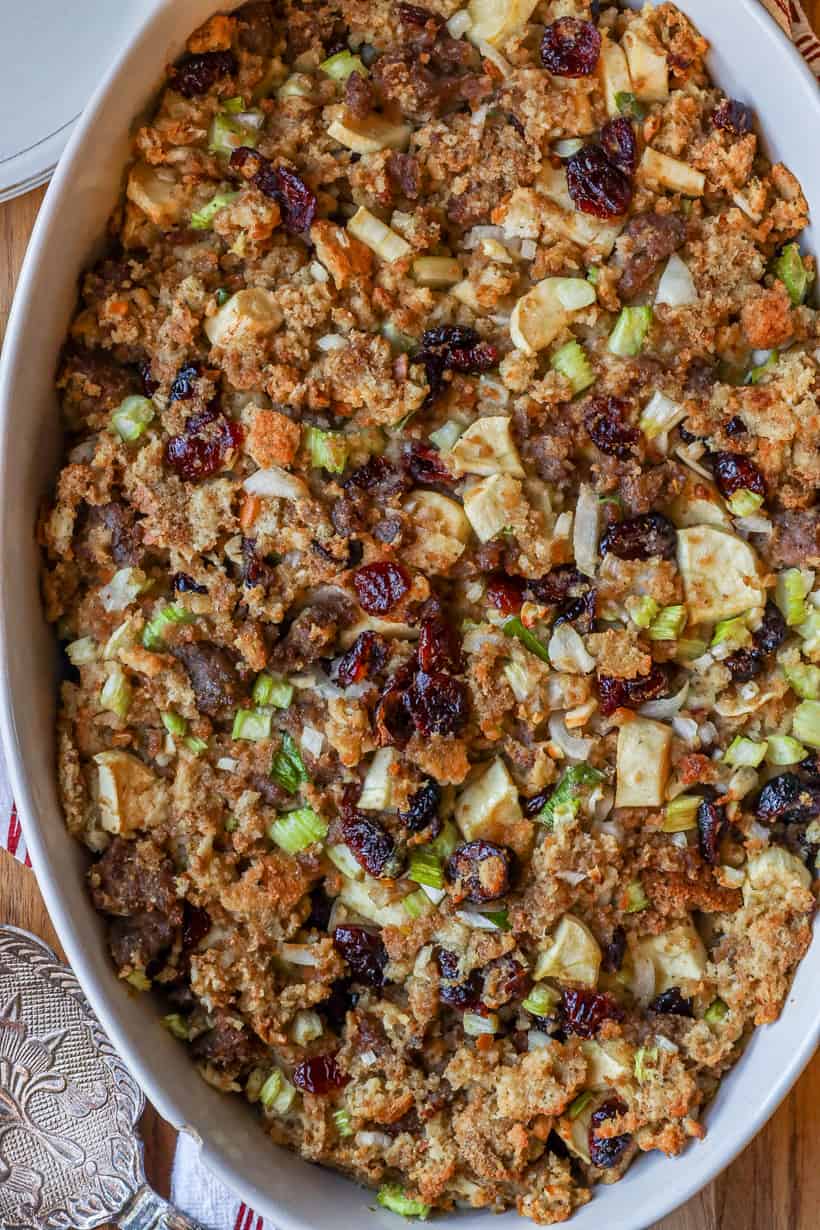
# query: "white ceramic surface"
{"type": "Point", "coordinates": [52, 57]}
{"type": "Point", "coordinates": [754, 62]}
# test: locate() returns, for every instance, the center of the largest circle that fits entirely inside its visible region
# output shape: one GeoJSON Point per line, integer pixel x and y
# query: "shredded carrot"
{"type": "Point", "coordinates": [118, 307]}
{"type": "Point", "coordinates": [249, 512]}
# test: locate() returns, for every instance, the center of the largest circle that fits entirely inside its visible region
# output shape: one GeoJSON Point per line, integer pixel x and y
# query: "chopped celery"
{"type": "Point", "coordinates": [174, 724]}
{"type": "Point", "coordinates": [716, 1012]}
{"type": "Point", "coordinates": [571, 361]}
{"type": "Point", "coordinates": [542, 1000]}
{"type": "Point", "coordinates": [228, 132]}
{"type": "Point", "coordinates": [793, 273]}
{"type": "Point", "coordinates": [426, 868]}
{"type": "Point", "coordinates": [131, 417]}
{"type": "Point", "coordinates": [792, 587]}
{"type": "Point", "coordinates": [731, 631]}
{"type": "Point", "coordinates": [689, 650]}
{"type": "Point", "coordinates": [744, 503]}
{"type": "Point", "coordinates": [288, 769]}
{"type": "Point", "coordinates": [804, 680]}
{"type": "Point", "coordinates": [783, 749]}
{"type": "Point", "coordinates": [806, 723]}
{"type": "Point", "coordinates": [343, 1122]}
{"type": "Point", "coordinates": [514, 627]}
{"type": "Point", "coordinates": [271, 1089]}
{"type": "Point", "coordinates": [81, 652]}
{"type": "Point", "coordinates": [296, 830]}
{"type": "Point", "coordinates": [660, 414]}
{"type": "Point", "coordinates": [116, 694]}
{"type": "Point", "coordinates": [631, 328]}
{"type": "Point", "coordinates": [138, 980]}
{"type": "Point", "coordinates": [593, 274]}
{"type": "Point", "coordinates": [341, 857]}
{"type": "Point", "coordinates": [327, 449]}
{"type": "Point", "coordinates": [446, 436]}
{"type": "Point", "coordinates": [252, 725]}
{"type": "Point", "coordinates": [234, 106]}
{"type": "Point", "coordinates": [177, 1025]}
{"type": "Point", "coordinates": [392, 1197]}
{"type": "Point", "coordinates": [565, 798]}
{"type": "Point", "coordinates": [202, 220]}
{"type": "Point", "coordinates": [153, 634]}
{"type": "Point", "coordinates": [742, 751]}
{"type": "Point", "coordinates": [222, 297]}
{"type": "Point", "coordinates": [759, 373]}
{"type": "Point", "coordinates": [636, 898]}
{"type": "Point", "coordinates": [669, 624]}
{"type": "Point", "coordinates": [628, 104]}
{"type": "Point", "coordinates": [282, 1102]}
{"type": "Point", "coordinates": [580, 1104]}
{"type": "Point", "coordinates": [681, 813]}
{"type": "Point", "coordinates": [476, 1024]}
{"type": "Point", "coordinates": [809, 631]}
{"type": "Point", "coordinates": [417, 904]}
{"type": "Point", "coordinates": [642, 611]}
{"type": "Point", "coordinates": [447, 840]}
{"type": "Point", "coordinates": [501, 918]}
{"type": "Point", "coordinates": [197, 746]}
{"type": "Point", "coordinates": [342, 64]}
{"type": "Point", "coordinates": [645, 1059]}
{"type": "Point", "coordinates": [125, 585]}
{"type": "Point", "coordinates": [271, 691]}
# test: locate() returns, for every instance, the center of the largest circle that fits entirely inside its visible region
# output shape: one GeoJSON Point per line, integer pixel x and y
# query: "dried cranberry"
{"type": "Point", "coordinates": [321, 907]}
{"type": "Point", "coordinates": [584, 1012]}
{"type": "Point", "coordinates": [558, 585]}
{"type": "Point", "coordinates": [788, 800]}
{"type": "Point", "coordinates": [206, 445]}
{"type": "Point", "coordinates": [642, 537]}
{"type": "Point", "coordinates": [772, 631]}
{"type": "Point", "coordinates": [606, 1151]}
{"type": "Point", "coordinates": [744, 664]}
{"type": "Point", "coordinates": [439, 647]}
{"type": "Point", "coordinates": [672, 1003]}
{"type": "Point", "coordinates": [364, 952]}
{"type": "Point", "coordinates": [182, 388]}
{"type": "Point", "coordinates": [448, 963]}
{"type": "Point", "coordinates": [370, 843]}
{"type": "Point", "coordinates": [183, 584]}
{"type": "Point", "coordinates": [614, 952]}
{"type": "Point", "coordinates": [438, 703]}
{"type": "Point", "coordinates": [149, 384]}
{"type": "Point", "coordinates": [711, 819]}
{"type": "Point", "coordinates": [450, 337]}
{"type": "Point", "coordinates": [393, 720]}
{"type": "Point", "coordinates": [810, 767]}
{"type": "Point", "coordinates": [605, 421]}
{"type": "Point", "coordinates": [534, 805]}
{"type": "Point", "coordinates": [570, 48]}
{"type": "Point", "coordinates": [480, 871]}
{"type": "Point", "coordinates": [196, 74]}
{"type": "Point", "coordinates": [296, 201]}
{"type": "Point", "coordinates": [619, 144]}
{"type": "Point", "coordinates": [734, 472]}
{"type": "Point", "coordinates": [463, 996]}
{"type": "Point", "coordinates": [476, 359]}
{"type": "Point", "coordinates": [736, 426]}
{"type": "Point", "coordinates": [459, 347]}
{"type": "Point", "coordinates": [632, 693]}
{"type": "Point", "coordinates": [380, 586]}
{"type": "Point", "coordinates": [505, 594]}
{"type": "Point", "coordinates": [505, 979]}
{"type": "Point", "coordinates": [581, 612]}
{"type": "Point", "coordinates": [423, 807]}
{"type": "Point", "coordinates": [338, 1003]}
{"type": "Point", "coordinates": [365, 657]}
{"type": "Point", "coordinates": [319, 1074]}
{"type": "Point", "coordinates": [734, 116]}
{"type": "Point", "coordinates": [424, 464]}
{"type": "Point", "coordinates": [196, 923]}
{"type": "Point", "coordinates": [375, 473]}
{"type": "Point", "coordinates": [596, 185]}
{"type": "Point", "coordinates": [415, 15]}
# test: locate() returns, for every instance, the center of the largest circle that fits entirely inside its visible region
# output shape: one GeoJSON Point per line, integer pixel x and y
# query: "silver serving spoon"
{"type": "Point", "coordinates": [70, 1156]}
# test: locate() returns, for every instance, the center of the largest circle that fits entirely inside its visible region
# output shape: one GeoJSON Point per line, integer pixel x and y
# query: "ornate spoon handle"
{"type": "Point", "coordinates": [148, 1211]}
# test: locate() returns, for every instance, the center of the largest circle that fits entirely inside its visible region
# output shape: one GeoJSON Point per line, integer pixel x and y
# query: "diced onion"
{"type": "Point", "coordinates": [472, 918]}
{"type": "Point", "coordinates": [298, 954]}
{"type": "Point", "coordinates": [375, 1140]}
{"type": "Point", "coordinates": [570, 745]}
{"type": "Point", "coordinates": [227, 764]}
{"type": "Point", "coordinates": [276, 482]}
{"type": "Point", "coordinates": [685, 728]}
{"type": "Point", "coordinates": [568, 146]}
{"type": "Point", "coordinates": [312, 740]}
{"type": "Point", "coordinates": [643, 977]}
{"type": "Point", "coordinates": [573, 878]}
{"type": "Point", "coordinates": [495, 57]}
{"type": "Point", "coordinates": [537, 1040]}
{"type": "Point", "coordinates": [332, 341]}
{"type": "Point", "coordinates": [667, 707]}
{"type": "Point", "coordinates": [666, 1044]}
{"type": "Point", "coordinates": [459, 23]}
{"type": "Point", "coordinates": [754, 525]}
{"type": "Point", "coordinates": [676, 287]}
{"type": "Point", "coordinates": [567, 651]}
{"type": "Point", "coordinates": [585, 531]}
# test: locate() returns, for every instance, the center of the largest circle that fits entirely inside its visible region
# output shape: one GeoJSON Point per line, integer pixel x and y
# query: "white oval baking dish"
{"type": "Point", "coordinates": [753, 61]}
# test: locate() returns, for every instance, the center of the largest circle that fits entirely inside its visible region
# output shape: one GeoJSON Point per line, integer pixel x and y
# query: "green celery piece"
{"type": "Point", "coordinates": [202, 219]}
{"type": "Point", "coordinates": [629, 334]}
{"type": "Point", "coordinates": [251, 724]}
{"type": "Point", "coordinates": [806, 723]}
{"type": "Point", "coordinates": [783, 749]}
{"type": "Point", "coordinates": [804, 680]}
{"type": "Point", "coordinates": [342, 64]}
{"type": "Point", "coordinates": [153, 634]}
{"type": "Point", "coordinates": [757, 374]}
{"type": "Point", "coordinates": [542, 1000]}
{"type": "Point", "coordinates": [793, 273]}
{"type": "Point", "coordinates": [567, 791]}
{"type": "Point", "coordinates": [131, 417]}
{"type": "Point", "coordinates": [288, 769]}
{"type": "Point", "coordinates": [628, 105]}
{"type": "Point", "coordinates": [296, 830]}
{"type": "Point", "coordinates": [392, 1197]}
{"type": "Point", "coordinates": [636, 898]}
{"type": "Point", "coordinates": [513, 627]}
{"type": "Point", "coordinates": [716, 1012]}
{"type": "Point", "coordinates": [426, 868]}
{"type": "Point", "coordinates": [174, 724]}
{"type": "Point", "coordinates": [571, 361]}
{"type": "Point", "coordinates": [327, 449]}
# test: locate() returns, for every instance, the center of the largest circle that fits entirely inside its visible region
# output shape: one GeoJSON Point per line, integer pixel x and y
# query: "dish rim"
{"type": "Point", "coordinates": [667, 1196]}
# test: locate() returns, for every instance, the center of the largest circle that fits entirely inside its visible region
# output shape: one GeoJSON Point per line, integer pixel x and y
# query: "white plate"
{"type": "Point", "coordinates": [53, 54]}
{"type": "Point", "coordinates": [754, 62]}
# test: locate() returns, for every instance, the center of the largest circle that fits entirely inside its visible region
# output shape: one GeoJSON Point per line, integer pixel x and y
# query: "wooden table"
{"type": "Point", "coordinates": [774, 1184]}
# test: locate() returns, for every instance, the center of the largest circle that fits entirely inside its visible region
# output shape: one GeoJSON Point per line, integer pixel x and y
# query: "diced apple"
{"type": "Point", "coordinates": [370, 135]}
{"type": "Point", "coordinates": [659, 169]}
{"type": "Point", "coordinates": [158, 193]}
{"type": "Point", "coordinates": [386, 243]}
{"type": "Point", "coordinates": [442, 531]}
{"type": "Point", "coordinates": [493, 21]}
{"type": "Point", "coordinates": [775, 873]}
{"type": "Point", "coordinates": [698, 504]}
{"type": "Point", "coordinates": [361, 897]}
{"type": "Point", "coordinates": [573, 955]}
{"type": "Point", "coordinates": [540, 315]}
{"type": "Point", "coordinates": [492, 504]}
{"type": "Point", "coordinates": [437, 272]}
{"type": "Point", "coordinates": [487, 447]}
{"type": "Point", "coordinates": [488, 809]}
{"type": "Point", "coordinates": [129, 796]}
{"type": "Point", "coordinates": [721, 574]}
{"type": "Point", "coordinates": [377, 787]}
{"type": "Point", "coordinates": [677, 956]}
{"type": "Point", "coordinates": [642, 763]}
{"type": "Point", "coordinates": [648, 68]}
{"type": "Point", "coordinates": [615, 76]}
{"type": "Point", "coordinates": [392, 629]}
{"type": "Point", "coordinates": [607, 1062]}
{"type": "Point", "coordinates": [248, 314]}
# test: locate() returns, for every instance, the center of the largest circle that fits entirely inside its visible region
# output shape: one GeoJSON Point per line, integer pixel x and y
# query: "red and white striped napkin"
{"type": "Point", "coordinates": [194, 1189]}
